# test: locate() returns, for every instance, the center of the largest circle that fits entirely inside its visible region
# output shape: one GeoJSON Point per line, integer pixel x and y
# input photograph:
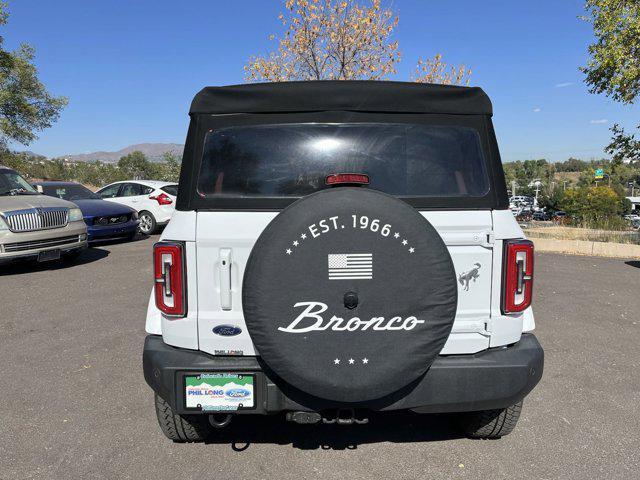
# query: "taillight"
{"type": "Point", "coordinates": [162, 199]}
{"type": "Point", "coordinates": [517, 286]}
{"type": "Point", "coordinates": [170, 279]}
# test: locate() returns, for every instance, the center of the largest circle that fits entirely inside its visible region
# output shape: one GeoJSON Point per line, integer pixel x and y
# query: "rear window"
{"type": "Point", "coordinates": [294, 159]}
{"type": "Point", "coordinates": [170, 189]}
{"type": "Point", "coordinates": [69, 192]}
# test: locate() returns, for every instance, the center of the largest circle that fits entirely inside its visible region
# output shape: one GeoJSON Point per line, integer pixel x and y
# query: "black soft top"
{"type": "Point", "coordinates": [352, 95]}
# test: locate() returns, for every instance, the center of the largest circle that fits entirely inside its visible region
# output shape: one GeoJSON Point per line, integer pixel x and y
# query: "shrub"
{"type": "Point", "coordinates": [594, 207]}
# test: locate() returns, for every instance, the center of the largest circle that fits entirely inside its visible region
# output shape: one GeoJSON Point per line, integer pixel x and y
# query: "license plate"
{"type": "Point", "coordinates": [219, 391]}
{"type": "Point", "coordinates": [48, 255]}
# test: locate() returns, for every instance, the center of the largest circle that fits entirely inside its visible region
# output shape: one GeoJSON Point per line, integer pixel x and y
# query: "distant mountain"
{"type": "Point", "coordinates": [153, 151]}
{"type": "Point", "coordinates": [28, 153]}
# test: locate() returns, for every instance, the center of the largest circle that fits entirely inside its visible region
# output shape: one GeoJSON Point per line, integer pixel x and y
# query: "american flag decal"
{"type": "Point", "coordinates": [350, 266]}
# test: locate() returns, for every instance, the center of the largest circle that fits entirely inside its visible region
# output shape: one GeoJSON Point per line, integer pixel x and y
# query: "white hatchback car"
{"type": "Point", "coordinates": [154, 200]}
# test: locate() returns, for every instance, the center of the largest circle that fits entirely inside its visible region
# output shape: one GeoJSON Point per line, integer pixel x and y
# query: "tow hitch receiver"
{"type": "Point", "coordinates": [341, 416]}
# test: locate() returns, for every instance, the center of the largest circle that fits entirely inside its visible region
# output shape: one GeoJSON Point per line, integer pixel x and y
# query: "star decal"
{"type": "Point", "coordinates": [351, 361]}
{"type": "Point", "coordinates": [365, 360]}
{"type": "Point", "coordinates": [336, 361]}
{"type": "Point", "coordinates": [404, 242]}
{"type": "Point", "coordinates": [396, 235]}
{"type": "Point", "coordinates": [303, 236]}
{"type": "Point", "coordinates": [411, 250]}
{"type": "Point", "coordinates": [288, 251]}
{"type": "Point", "coordinates": [295, 243]}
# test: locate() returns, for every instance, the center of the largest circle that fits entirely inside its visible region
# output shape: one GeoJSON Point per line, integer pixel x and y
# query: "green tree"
{"type": "Point", "coordinates": [614, 64]}
{"type": "Point", "coordinates": [25, 105]}
{"type": "Point", "coordinates": [136, 166]}
{"type": "Point", "coordinates": [170, 167]}
{"type": "Point", "coordinates": [552, 200]}
{"type": "Point", "coordinates": [524, 173]}
{"type": "Point", "coordinates": [93, 174]}
{"type": "Point", "coordinates": [623, 146]}
{"type": "Point", "coordinates": [593, 206]}
{"type": "Point", "coordinates": [613, 67]}
{"type": "Point", "coordinates": [571, 165]}
{"type": "Point", "coordinates": [535, 169]}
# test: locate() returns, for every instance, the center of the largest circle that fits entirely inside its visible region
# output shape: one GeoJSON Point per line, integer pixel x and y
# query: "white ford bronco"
{"type": "Point", "coordinates": [341, 248]}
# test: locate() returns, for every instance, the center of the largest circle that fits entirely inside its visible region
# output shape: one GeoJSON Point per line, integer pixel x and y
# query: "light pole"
{"type": "Point", "coordinates": [536, 183]}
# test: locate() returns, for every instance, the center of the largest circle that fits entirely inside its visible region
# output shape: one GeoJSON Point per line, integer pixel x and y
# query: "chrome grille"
{"type": "Point", "coordinates": [36, 219]}
{"type": "Point", "coordinates": [103, 221]}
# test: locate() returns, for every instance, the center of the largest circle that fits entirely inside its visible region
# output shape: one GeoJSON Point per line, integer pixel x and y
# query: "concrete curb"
{"type": "Point", "coordinates": [585, 247]}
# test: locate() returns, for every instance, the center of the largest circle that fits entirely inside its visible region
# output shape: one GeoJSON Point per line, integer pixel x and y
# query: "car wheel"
{"type": "Point", "coordinates": [147, 223]}
{"type": "Point", "coordinates": [181, 428]}
{"type": "Point", "coordinates": [491, 423]}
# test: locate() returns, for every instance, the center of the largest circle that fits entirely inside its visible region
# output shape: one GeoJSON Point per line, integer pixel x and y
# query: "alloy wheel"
{"type": "Point", "coordinates": [146, 223]}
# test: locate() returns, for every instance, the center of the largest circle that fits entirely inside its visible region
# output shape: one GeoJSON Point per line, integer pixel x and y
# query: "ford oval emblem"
{"type": "Point", "coordinates": [238, 393]}
{"type": "Point", "coordinates": [227, 330]}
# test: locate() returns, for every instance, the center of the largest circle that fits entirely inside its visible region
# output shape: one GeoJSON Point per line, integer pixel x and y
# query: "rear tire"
{"type": "Point", "coordinates": [491, 423]}
{"type": "Point", "coordinates": [148, 223]}
{"type": "Point", "coordinates": [181, 428]}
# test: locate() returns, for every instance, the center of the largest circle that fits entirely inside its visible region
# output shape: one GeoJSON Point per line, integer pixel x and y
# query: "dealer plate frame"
{"type": "Point", "coordinates": [183, 391]}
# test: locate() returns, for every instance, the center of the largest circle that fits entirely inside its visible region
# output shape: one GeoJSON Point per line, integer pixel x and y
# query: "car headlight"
{"type": "Point", "coordinates": [75, 215]}
{"type": "Point", "coordinates": [3, 225]}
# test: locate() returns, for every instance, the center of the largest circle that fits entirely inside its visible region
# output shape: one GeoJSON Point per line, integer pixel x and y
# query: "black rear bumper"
{"type": "Point", "coordinates": [494, 378]}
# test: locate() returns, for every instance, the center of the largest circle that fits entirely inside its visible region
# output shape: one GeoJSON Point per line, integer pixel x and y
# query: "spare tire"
{"type": "Point", "coordinates": [349, 294]}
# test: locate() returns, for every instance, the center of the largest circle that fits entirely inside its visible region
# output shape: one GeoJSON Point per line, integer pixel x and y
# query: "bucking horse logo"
{"type": "Point", "coordinates": [466, 277]}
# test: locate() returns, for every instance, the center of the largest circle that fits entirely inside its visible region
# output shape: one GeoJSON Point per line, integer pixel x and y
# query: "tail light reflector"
{"type": "Point", "coordinates": [517, 286]}
{"type": "Point", "coordinates": [169, 278]}
{"type": "Point", "coordinates": [162, 199]}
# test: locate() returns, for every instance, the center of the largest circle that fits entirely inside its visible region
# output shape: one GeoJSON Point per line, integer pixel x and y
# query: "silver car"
{"type": "Point", "coordinates": [37, 226]}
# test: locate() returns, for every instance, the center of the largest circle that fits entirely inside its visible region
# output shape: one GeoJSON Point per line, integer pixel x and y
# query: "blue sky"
{"type": "Point", "coordinates": [130, 69]}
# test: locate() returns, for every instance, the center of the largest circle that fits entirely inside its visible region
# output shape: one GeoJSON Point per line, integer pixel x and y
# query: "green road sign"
{"type": "Point", "coordinates": [599, 175]}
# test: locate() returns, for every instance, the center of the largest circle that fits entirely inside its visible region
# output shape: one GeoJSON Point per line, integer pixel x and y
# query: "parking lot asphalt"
{"type": "Point", "coordinates": [74, 404]}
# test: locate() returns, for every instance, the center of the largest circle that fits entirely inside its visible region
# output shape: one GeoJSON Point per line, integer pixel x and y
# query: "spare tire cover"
{"type": "Point", "coordinates": [349, 294]}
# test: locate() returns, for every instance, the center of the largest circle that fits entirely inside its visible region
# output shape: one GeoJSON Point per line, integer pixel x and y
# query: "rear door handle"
{"type": "Point", "coordinates": [225, 278]}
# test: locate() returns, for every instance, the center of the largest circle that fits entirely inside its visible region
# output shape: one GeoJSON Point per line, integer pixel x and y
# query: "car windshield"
{"type": "Point", "coordinates": [295, 159]}
{"type": "Point", "coordinates": [70, 192]}
{"type": "Point", "coordinates": [12, 183]}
